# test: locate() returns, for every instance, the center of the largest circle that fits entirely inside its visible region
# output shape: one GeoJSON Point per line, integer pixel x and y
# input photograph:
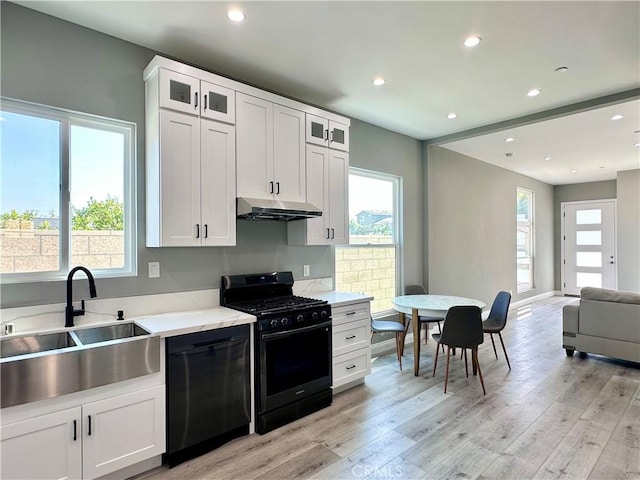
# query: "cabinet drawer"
{"type": "Point", "coordinates": [350, 313]}
{"type": "Point", "coordinates": [351, 366]}
{"type": "Point", "coordinates": [351, 336]}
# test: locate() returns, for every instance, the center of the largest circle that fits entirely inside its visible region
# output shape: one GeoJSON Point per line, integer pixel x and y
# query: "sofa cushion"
{"type": "Point", "coordinates": [604, 295]}
{"type": "Point", "coordinates": [617, 321]}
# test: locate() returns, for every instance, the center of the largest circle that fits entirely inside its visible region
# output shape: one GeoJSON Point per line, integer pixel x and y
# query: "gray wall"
{"type": "Point", "coordinates": [53, 62]}
{"type": "Point", "coordinates": [472, 227]}
{"type": "Point", "coordinates": [574, 193]}
{"type": "Point", "coordinates": [628, 229]}
{"type": "Point", "coordinates": [377, 149]}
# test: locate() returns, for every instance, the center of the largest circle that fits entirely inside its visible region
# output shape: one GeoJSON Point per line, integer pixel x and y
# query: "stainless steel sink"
{"type": "Point", "coordinates": [39, 366]}
{"type": "Point", "coordinates": [12, 346]}
{"type": "Point", "coordinates": [110, 332]}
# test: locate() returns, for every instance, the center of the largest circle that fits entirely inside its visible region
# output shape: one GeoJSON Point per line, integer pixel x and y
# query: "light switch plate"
{"type": "Point", "coordinates": [306, 271]}
{"type": "Point", "coordinates": [154, 269]}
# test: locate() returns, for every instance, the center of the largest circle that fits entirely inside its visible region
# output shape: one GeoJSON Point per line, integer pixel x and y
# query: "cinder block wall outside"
{"type": "Point", "coordinates": [32, 250]}
{"type": "Point", "coordinates": [371, 270]}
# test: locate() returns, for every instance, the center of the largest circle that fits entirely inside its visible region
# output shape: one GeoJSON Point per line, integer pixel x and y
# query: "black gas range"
{"type": "Point", "coordinates": [292, 346]}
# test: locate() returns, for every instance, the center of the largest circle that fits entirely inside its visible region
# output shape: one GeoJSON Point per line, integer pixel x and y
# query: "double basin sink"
{"type": "Point", "coordinates": [39, 366]}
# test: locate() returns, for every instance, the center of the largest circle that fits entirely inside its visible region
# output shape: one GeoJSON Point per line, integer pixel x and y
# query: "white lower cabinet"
{"type": "Point", "coordinates": [351, 342]}
{"type": "Point", "coordinates": [87, 441]}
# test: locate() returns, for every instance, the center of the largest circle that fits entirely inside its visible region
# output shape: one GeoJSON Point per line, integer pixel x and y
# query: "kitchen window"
{"type": "Point", "coordinates": [369, 264]}
{"type": "Point", "coordinates": [67, 195]}
{"type": "Point", "coordinates": [524, 240]}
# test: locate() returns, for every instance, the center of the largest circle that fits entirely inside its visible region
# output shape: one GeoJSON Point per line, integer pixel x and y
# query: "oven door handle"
{"type": "Point", "coordinates": [269, 336]}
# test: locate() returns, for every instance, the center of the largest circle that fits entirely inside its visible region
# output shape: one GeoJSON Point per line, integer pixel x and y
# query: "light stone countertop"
{"type": "Point", "coordinates": [337, 299]}
{"type": "Point", "coordinates": [180, 323]}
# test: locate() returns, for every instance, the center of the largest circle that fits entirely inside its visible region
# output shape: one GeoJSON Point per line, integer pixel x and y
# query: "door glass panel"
{"type": "Point", "coordinates": [338, 136]}
{"type": "Point", "coordinates": [217, 102]}
{"type": "Point", "coordinates": [589, 259]}
{"type": "Point", "coordinates": [589, 217]}
{"type": "Point", "coordinates": [180, 92]}
{"type": "Point", "coordinates": [316, 130]}
{"type": "Point", "coordinates": [588, 280]}
{"type": "Point", "coordinates": [592, 237]}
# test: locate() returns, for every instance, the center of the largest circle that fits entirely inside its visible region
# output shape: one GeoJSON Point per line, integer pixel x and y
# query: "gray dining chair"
{"type": "Point", "coordinates": [420, 290]}
{"type": "Point", "coordinates": [497, 320]}
{"type": "Point", "coordinates": [389, 326]}
{"type": "Point", "coordinates": [463, 329]}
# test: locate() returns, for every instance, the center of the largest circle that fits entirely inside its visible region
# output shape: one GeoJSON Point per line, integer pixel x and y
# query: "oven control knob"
{"type": "Point", "coordinates": [314, 316]}
{"type": "Point", "coordinates": [323, 314]}
{"type": "Point", "coordinates": [284, 321]}
{"type": "Point", "coordinates": [274, 323]}
{"type": "Point", "coordinates": [300, 318]}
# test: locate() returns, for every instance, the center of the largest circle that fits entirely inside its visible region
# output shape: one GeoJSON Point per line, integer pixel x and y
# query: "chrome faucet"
{"type": "Point", "coordinates": [69, 311]}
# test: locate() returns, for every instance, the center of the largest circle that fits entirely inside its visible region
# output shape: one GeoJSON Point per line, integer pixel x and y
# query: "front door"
{"type": "Point", "coordinates": [588, 245]}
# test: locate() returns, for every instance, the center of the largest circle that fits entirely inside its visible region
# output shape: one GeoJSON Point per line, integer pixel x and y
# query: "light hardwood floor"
{"type": "Point", "coordinates": [551, 416]}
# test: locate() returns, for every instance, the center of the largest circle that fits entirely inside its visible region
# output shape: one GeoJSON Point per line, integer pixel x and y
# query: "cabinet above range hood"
{"type": "Point", "coordinates": [261, 209]}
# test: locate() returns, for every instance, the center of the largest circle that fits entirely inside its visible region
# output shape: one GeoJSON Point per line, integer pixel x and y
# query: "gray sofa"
{"type": "Point", "coordinates": [606, 322]}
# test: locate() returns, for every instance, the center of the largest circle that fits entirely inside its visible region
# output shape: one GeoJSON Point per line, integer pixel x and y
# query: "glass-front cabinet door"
{"type": "Point", "coordinates": [338, 136]}
{"type": "Point", "coordinates": [218, 103]}
{"type": "Point", "coordinates": [179, 92]}
{"type": "Point", "coordinates": [317, 130]}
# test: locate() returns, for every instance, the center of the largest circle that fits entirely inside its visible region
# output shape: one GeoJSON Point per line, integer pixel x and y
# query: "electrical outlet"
{"type": "Point", "coordinates": [154, 269]}
{"type": "Point", "coordinates": [306, 271]}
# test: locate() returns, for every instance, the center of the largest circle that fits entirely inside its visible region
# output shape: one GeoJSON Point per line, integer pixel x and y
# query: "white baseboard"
{"type": "Point", "coordinates": [535, 298]}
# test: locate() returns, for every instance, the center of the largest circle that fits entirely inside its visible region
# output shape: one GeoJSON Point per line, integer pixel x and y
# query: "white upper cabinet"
{"type": "Point", "coordinates": [190, 162]}
{"type": "Point", "coordinates": [327, 133]}
{"type": "Point", "coordinates": [218, 103]}
{"type": "Point", "coordinates": [270, 160]}
{"type": "Point", "coordinates": [194, 96]}
{"type": "Point", "coordinates": [327, 188]}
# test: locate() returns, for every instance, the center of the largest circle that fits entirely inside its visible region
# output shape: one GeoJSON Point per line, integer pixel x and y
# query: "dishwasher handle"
{"type": "Point", "coordinates": [199, 347]}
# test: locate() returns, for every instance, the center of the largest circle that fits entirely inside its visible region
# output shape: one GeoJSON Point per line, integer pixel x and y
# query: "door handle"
{"type": "Point", "coordinates": [206, 231]}
{"type": "Point", "coordinates": [333, 234]}
{"type": "Point", "coordinates": [277, 188]}
{"type": "Point", "coordinates": [204, 106]}
{"type": "Point", "coordinates": [195, 106]}
{"type": "Point", "coordinates": [328, 236]}
{"type": "Point", "coordinates": [89, 416]}
{"type": "Point", "coordinates": [326, 134]}
{"type": "Point", "coordinates": [270, 187]}
{"type": "Point", "coordinates": [75, 430]}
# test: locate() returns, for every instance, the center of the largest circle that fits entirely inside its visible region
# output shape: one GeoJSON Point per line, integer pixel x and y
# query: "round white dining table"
{"type": "Point", "coordinates": [427, 306]}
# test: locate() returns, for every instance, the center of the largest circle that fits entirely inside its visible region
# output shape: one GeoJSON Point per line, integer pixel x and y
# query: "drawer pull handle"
{"type": "Point", "coordinates": [350, 338]}
{"type": "Point", "coordinates": [352, 366]}
{"type": "Point", "coordinates": [351, 313]}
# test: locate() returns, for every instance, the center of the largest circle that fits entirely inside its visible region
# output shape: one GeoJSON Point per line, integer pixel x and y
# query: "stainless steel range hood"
{"type": "Point", "coordinates": [256, 208]}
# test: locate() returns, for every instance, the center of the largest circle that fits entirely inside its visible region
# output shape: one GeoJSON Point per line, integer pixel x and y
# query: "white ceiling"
{"type": "Point", "coordinates": [327, 53]}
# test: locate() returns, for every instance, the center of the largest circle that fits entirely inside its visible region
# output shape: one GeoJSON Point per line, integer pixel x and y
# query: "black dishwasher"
{"type": "Point", "coordinates": [208, 390]}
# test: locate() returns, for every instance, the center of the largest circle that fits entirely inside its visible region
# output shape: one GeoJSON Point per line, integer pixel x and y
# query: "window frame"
{"type": "Point", "coordinates": [67, 119]}
{"type": "Point", "coordinates": [530, 225]}
{"type": "Point", "coordinates": [396, 182]}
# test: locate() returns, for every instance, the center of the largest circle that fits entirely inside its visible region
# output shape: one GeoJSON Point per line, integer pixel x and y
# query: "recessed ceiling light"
{"type": "Point", "coordinates": [574, 171]}
{"type": "Point", "coordinates": [378, 81]}
{"type": "Point", "coordinates": [547, 158]}
{"type": "Point", "coordinates": [472, 41]}
{"type": "Point", "coordinates": [451, 116]}
{"type": "Point", "coordinates": [562, 69]}
{"type": "Point", "coordinates": [236, 15]}
{"type": "Point", "coordinates": [509, 139]}
{"type": "Point", "coordinates": [637, 131]}
{"type": "Point", "coordinates": [533, 92]}
{"type": "Point", "coordinates": [617, 117]}
{"type": "Point", "coordinates": [636, 144]}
